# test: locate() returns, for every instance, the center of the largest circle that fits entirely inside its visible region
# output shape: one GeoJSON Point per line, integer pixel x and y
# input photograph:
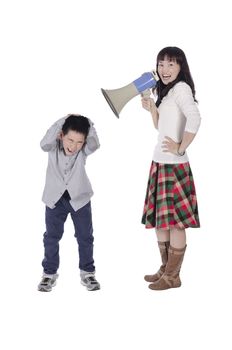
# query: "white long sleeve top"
{"type": "Point", "coordinates": [178, 112]}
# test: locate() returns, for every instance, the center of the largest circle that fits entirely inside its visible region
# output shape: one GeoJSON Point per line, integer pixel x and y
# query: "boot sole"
{"type": "Point", "coordinates": [165, 288]}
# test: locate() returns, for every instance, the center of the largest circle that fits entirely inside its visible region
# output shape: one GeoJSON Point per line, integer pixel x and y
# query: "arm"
{"type": "Point", "coordinates": [149, 104]}
{"type": "Point", "coordinates": [188, 107]}
{"type": "Point", "coordinates": [187, 139]}
{"type": "Point", "coordinates": [92, 141]}
{"type": "Point", "coordinates": [49, 140]}
{"type": "Point", "coordinates": [178, 148]}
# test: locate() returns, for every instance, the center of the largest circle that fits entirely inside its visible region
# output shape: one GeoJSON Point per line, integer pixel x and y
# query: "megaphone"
{"type": "Point", "coordinates": [118, 98]}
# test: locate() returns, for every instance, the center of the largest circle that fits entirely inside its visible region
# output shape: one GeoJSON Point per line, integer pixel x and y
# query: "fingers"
{"type": "Point", "coordinates": [167, 144]}
{"type": "Point", "coordinates": [169, 139]}
{"type": "Point", "coordinates": [146, 104]}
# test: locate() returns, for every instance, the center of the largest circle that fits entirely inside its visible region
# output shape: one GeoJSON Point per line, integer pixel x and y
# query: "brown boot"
{"type": "Point", "coordinates": [171, 278]}
{"type": "Point", "coordinates": [163, 247]}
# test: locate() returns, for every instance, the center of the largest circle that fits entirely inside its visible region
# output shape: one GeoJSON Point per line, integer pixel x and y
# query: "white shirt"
{"type": "Point", "coordinates": [178, 112]}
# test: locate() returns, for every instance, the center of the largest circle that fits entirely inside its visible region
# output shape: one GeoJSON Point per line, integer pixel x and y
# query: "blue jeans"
{"type": "Point", "coordinates": [55, 219]}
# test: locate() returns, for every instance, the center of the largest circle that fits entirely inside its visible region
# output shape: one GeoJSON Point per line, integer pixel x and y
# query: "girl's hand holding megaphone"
{"type": "Point", "coordinates": [149, 104]}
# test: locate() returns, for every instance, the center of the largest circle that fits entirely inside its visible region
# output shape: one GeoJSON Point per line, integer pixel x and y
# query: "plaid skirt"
{"type": "Point", "coordinates": [171, 200]}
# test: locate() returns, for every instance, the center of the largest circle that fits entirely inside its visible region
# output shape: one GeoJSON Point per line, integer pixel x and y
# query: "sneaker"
{"type": "Point", "coordinates": [47, 282]}
{"type": "Point", "coordinates": [89, 281]}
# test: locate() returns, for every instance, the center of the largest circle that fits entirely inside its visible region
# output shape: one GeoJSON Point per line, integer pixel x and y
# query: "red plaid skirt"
{"type": "Point", "coordinates": [171, 197]}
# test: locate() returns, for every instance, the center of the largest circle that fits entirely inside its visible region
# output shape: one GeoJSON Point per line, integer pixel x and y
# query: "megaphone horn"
{"type": "Point", "coordinates": [118, 98]}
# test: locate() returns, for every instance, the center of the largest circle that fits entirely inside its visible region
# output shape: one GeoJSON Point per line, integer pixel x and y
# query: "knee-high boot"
{"type": "Point", "coordinates": [170, 277]}
{"type": "Point", "coordinates": [163, 248]}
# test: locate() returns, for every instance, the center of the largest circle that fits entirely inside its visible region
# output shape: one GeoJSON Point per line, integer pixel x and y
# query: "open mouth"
{"type": "Point", "coordinates": [166, 77]}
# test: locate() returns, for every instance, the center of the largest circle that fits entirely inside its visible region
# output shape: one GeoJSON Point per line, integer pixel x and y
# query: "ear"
{"type": "Point", "coordinates": [60, 135]}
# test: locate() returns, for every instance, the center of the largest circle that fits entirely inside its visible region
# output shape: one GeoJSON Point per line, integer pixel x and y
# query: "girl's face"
{"type": "Point", "coordinates": [168, 70]}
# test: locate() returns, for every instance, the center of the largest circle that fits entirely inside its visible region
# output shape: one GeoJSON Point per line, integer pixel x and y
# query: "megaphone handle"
{"type": "Point", "coordinates": [146, 93]}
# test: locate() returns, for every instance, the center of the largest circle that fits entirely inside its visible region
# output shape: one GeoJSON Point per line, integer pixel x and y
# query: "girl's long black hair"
{"type": "Point", "coordinates": [173, 53]}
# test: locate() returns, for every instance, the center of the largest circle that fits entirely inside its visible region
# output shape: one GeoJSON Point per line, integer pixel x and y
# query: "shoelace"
{"type": "Point", "coordinates": [90, 279]}
{"type": "Point", "coordinates": [46, 280]}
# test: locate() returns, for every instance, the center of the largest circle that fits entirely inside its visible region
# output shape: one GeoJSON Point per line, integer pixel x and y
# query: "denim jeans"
{"type": "Point", "coordinates": [55, 219]}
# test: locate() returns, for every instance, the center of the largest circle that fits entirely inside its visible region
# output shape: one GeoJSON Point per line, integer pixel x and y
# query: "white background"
{"type": "Point", "coordinates": [55, 57]}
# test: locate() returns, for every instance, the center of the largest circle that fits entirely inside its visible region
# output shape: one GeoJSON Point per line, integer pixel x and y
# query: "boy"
{"type": "Point", "coordinates": [68, 190]}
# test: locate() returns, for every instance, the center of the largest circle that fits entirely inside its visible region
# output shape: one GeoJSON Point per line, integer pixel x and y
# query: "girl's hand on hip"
{"type": "Point", "coordinates": [170, 146]}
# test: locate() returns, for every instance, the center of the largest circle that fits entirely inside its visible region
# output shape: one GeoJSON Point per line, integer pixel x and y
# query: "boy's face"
{"type": "Point", "coordinates": [73, 142]}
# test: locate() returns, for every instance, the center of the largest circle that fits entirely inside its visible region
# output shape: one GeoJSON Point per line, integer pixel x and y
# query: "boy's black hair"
{"type": "Point", "coordinates": [173, 53]}
{"type": "Point", "coordinates": [76, 123]}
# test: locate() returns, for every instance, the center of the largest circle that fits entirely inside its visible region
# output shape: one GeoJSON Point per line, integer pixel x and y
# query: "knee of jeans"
{"type": "Point", "coordinates": [84, 239]}
{"type": "Point", "coordinates": [52, 236]}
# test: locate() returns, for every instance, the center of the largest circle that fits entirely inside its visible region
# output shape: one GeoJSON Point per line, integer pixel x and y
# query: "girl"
{"type": "Point", "coordinates": [171, 204]}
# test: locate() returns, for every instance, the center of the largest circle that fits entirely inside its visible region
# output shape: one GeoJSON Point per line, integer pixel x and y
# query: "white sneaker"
{"type": "Point", "coordinates": [47, 282]}
{"type": "Point", "coordinates": [89, 281]}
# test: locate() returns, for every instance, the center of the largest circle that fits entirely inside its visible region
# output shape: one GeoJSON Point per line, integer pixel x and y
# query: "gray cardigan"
{"type": "Point", "coordinates": [77, 183]}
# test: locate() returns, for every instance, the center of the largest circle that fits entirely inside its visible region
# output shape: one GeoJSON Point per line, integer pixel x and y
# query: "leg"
{"type": "Point", "coordinates": [163, 237]}
{"type": "Point", "coordinates": [171, 278]}
{"type": "Point", "coordinates": [55, 219]}
{"type": "Point", "coordinates": [82, 220]}
{"type": "Point", "coordinates": [178, 238]}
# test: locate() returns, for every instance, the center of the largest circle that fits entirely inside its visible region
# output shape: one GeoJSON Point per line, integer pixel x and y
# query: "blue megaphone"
{"type": "Point", "coordinates": [118, 98]}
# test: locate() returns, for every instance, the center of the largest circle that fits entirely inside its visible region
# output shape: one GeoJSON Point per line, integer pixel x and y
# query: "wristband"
{"type": "Point", "coordinates": [180, 154]}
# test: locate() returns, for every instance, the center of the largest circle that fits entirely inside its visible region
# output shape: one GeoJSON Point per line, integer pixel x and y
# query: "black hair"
{"type": "Point", "coordinates": [173, 53]}
{"type": "Point", "coordinates": [76, 123]}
